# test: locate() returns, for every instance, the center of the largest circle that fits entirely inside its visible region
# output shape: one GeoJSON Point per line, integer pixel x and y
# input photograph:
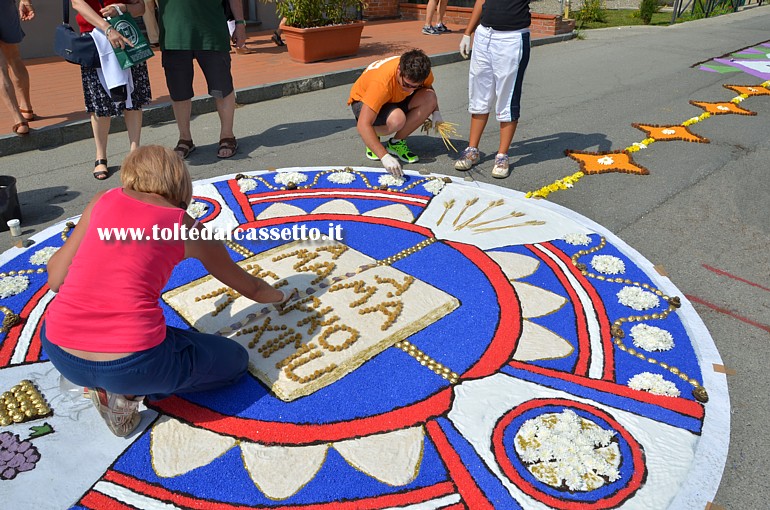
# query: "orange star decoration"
{"type": "Point", "coordinates": [605, 162]}
{"type": "Point", "coordinates": [756, 90]}
{"type": "Point", "coordinates": [722, 108]}
{"type": "Point", "coordinates": [670, 133]}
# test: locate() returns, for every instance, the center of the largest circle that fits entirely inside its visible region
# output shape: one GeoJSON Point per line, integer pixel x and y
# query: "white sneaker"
{"type": "Point", "coordinates": [120, 413]}
{"type": "Point", "coordinates": [468, 157]}
{"type": "Point", "coordinates": [501, 170]}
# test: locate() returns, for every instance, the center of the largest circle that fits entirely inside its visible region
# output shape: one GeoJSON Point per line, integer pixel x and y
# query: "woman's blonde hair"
{"type": "Point", "coordinates": [156, 169]}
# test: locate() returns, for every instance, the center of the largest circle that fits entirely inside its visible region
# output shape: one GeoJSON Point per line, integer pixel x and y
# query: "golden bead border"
{"type": "Point", "coordinates": [427, 361]}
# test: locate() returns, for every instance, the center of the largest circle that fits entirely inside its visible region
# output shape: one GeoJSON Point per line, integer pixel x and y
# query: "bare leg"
{"type": "Point", "coordinates": [226, 111]}
{"type": "Point", "coordinates": [182, 113]}
{"type": "Point", "coordinates": [478, 123]}
{"type": "Point", "coordinates": [101, 129]}
{"type": "Point", "coordinates": [507, 130]}
{"type": "Point", "coordinates": [134, 127]}
{"type": "Point", "coordinates": [20, 74]}
{"type": "Point", "coordinates": [421, 107]}
{"type": "Point", "coordinates": [430, 10]}
{"type": "Point", "coordinates": [441, 11]}
{"type": "Point", "coordinates": [9, 95]}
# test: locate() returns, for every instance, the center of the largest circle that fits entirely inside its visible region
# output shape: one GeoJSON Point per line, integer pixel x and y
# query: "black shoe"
{"type": "Point", "coordinates": [442, 29]}
{"type": "Point", "coordinates": [277, 39]}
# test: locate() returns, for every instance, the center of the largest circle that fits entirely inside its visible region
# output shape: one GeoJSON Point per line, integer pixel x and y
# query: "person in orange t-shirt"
{"type": "Point", "coordinates": [394, 95]}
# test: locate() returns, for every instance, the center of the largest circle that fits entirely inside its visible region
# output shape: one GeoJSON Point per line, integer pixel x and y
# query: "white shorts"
{"type": "Point", "coordinates": [498, 62]}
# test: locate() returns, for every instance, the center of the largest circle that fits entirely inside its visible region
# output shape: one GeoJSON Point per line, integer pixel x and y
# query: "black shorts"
{"type": "Point", "coordinates": [10, 25]}
{"type": "Point", "coordinates": [178, 67]}
{"type": "Point", "coordinates": [387, 108]}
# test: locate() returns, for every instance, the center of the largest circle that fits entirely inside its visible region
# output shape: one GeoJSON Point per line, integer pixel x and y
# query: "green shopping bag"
{"type": "Point", "coordinates": [141, 51]}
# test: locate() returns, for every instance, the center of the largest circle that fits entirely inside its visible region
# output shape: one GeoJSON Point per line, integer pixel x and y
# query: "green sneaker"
{"type": "Point", "coordinates": [401, 150]}
{"type": "Point", "coordinates": [371, 155]}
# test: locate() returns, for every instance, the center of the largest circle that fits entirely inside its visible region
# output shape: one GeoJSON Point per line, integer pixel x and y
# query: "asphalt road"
{"type": "Point", "coordinates": [703, 211]}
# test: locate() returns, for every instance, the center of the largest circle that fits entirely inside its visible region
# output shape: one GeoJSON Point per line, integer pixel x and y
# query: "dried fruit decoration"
{"type": "Point", "coordinates": [16, 456]}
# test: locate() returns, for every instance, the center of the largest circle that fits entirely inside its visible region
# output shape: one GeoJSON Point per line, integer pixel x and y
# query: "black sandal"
{"type": "Point", "coordinates": [101, 174]}
{"type": "Point", "coordinates": [277, 39]}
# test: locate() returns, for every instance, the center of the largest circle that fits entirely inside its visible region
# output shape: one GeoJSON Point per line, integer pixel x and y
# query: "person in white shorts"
{"type": "Point", "coordinates": [499, 59]}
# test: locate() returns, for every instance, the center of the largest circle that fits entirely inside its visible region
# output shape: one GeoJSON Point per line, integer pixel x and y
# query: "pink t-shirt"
{"type": "Point", "coordinates": [109, 299]}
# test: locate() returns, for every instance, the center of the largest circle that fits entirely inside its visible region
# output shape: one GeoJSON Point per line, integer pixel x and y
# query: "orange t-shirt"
{"type": "Point", "coordinates": [379, 85]}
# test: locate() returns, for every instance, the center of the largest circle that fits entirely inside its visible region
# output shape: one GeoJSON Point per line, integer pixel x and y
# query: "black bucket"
{"type": "Point", "coordinates": [9, 201]}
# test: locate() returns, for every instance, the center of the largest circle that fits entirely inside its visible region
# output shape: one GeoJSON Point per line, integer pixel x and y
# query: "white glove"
{"type": "Point", "coordinates": [436, 117]}
{"type": "Point", "coordinates": [465, 46]}
{"type": "Point", "coordinates": [392, 165]}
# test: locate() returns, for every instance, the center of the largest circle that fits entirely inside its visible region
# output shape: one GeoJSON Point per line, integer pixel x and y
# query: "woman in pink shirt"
{"type": "Point", "coordinates": [105, 329]}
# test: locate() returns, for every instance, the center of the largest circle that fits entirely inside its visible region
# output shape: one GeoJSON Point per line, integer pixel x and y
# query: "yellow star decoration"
{"type": "Point", "coordinates": [605, 162]}
{"type": "Point", "coordinates": [748, 90]}
{"type": "Point", "coordinates": [670, 133]}
{"type": "Point", "coordinates": [722, 108]}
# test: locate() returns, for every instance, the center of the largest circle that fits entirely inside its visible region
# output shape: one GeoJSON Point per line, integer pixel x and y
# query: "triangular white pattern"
{"type": "Point", "coordinates": [392, 458]}
{"type": "Point", "coordinates": [177, 448]}
{"type": "Point", "coordinates": [279, 210]}
{"type": "Point", "coordinates": [398, 212]}
{"type": "Point", "coordinates": [281, 471]}
{"type": "Point", "coordinates": [338, 206]}
{"type": "Point", "coordinates": [536, 301]}
{"type": "Point", "coordinates": [514, 265]}
{"type": "Point", "coordinates": [536, 343]}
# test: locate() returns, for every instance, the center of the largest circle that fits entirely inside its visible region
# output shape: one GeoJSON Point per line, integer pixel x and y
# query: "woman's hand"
{"type": "Point", "coordinates": [113, 10]}
{"type": "Point", "coordinates": [26, 12]}
{"type": "Point", "coordinates": [117, 40]}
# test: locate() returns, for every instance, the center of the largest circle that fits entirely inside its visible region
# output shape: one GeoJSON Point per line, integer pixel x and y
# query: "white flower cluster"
{"type": "Point", "coordinates": [608, 264]}
{"type": "Point", "coordinates": [434, 186]}
{"type": "Point", "coordinates": [197, 209]}
{"type": "Point", "coordinates": [42, 256]}
{"type": "Point", "coordinates": [653, 383]}
{"type": "Point", "coordinates": [566, 449]}
{"type": "Point", "coordinates": [287, 178]}
{"type": "Point", "coordinates": [651, 338]}
{"type": "Point", "coordinates": [638, 299]}
{"type": "Point", "coordinates": [247, 185]}
{"type": "Point", "coordinates": [342, 177]}
{"type": "Point", "coordinates": [12, 285]}
{"type": "Point", "coordinates": [669, 131]}
{"type": "Point", "coordinates": [389, 180]}
{"type": "Point", "coordinates": [577, 239]}
{"type": "Point", "coordinates": [640, 145]}
{"type": "Point", "coordinates": [606, 160]}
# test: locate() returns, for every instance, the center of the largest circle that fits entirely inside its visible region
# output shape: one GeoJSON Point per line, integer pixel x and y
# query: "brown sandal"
{"type": "Point", "coordinates": [229, 144]}
{"type": "Point", "coordinates": [17, 128]}
{"type": "Point", "coordinates": [29, 115]}
{"type": "Point", "coordinates": [184, 148]}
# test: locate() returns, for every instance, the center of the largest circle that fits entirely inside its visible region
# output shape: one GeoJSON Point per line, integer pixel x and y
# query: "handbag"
{"type": "Point", "coordinates": [140, 51]}
{"type": "Point", "coordinates": [74, 48]}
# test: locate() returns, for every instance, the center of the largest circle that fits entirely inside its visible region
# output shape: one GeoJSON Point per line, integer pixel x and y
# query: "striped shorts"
{"type": "Point", "coordinates": [498, 62]}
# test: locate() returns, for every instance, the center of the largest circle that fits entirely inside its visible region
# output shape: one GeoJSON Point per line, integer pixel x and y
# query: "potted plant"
{"type": "Point", "coordinates": [320, 29]}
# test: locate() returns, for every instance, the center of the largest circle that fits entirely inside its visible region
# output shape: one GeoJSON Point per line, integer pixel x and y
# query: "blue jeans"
{"type": "Point", "coordinates": [185, 361]}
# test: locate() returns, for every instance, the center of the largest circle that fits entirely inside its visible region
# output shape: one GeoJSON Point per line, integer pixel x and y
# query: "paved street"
{"type": "Point", "coordinates": [702, 213]}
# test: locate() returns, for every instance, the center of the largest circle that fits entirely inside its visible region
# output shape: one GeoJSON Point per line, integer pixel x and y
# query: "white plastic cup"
{"type": "Point", "coordinates": [15, 226]}
{"type": "Point", "coordinates": [70, 390]}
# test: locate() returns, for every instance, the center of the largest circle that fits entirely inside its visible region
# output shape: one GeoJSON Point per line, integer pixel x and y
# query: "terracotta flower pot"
{"type": "Point", "coordinates": [322, 43]}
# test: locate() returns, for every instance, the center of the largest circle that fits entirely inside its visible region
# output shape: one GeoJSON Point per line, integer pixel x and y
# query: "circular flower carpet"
{"type": "Point", "coordinates": [453, 345]}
